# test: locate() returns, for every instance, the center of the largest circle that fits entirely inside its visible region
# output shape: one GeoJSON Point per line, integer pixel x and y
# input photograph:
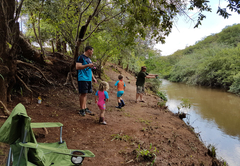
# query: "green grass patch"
{"type": "Point", "coordinates": [147, 122]}
{"type": "Point", "coordinates": [120, 137]}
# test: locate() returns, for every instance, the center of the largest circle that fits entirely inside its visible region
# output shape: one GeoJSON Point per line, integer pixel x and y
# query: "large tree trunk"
{"type": "Point", "coordinates": [9, 32]}
{"type": "Point", "coordinates": [58, 43]}
{"type": "Point", "coordinates": [64, 44]}
{"type": "Point", "coordinates": [11, 44]}
{"type": "Point", "coordinates": [119, 62]}
{"type": "Point", "coordinates": [53, 50]}
{"type": "Point", "coordinates": [3, 68]}
{"type": "Point", "coordinates": [126, 68]}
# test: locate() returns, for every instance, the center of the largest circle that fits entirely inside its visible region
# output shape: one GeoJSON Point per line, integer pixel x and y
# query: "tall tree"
{"type": "Point", "coordinates": [9, 36]}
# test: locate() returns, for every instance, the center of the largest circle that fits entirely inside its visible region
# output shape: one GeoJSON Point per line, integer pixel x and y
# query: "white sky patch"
{"type": "Point", "coordinates": [185, 35]}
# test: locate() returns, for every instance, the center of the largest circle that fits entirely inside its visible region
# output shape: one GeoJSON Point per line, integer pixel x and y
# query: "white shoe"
{"type": "Point", "coordinates": [103, 123]}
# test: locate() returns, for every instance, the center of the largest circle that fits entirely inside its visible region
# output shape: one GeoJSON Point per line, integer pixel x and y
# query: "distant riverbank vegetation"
{"type": "Point", "coordinates": [213, 62]}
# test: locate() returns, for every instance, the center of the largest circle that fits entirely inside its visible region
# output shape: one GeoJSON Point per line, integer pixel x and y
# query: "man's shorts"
{"type": "Point", "coordinates": [85, 86]}
{"type": "Point", "coordinates": [120, 93]}
{"type": "Point", "coordinates": [140, 89]}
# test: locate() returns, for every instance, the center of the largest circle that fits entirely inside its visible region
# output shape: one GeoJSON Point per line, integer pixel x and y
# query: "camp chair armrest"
{"type": "Point", "coordinates": [46, 124]}
{"type": "Point", "coordinates": [87, 153]}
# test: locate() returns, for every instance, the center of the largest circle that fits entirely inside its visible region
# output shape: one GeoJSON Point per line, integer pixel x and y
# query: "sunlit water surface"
{"type": "Point", "coordinates": [214, 113]}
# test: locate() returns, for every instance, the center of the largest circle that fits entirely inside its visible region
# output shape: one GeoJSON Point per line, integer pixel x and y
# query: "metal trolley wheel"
{"type": "Point", "coordinates": [77, 160]}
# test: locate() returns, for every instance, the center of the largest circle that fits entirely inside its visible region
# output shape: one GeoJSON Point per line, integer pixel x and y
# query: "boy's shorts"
{"type": "Point", "coordinates": [120, 93]}
{"type": "Point", "coordinates": [140, 89]}
{"type": "Point", "coordinates": [85, 86]}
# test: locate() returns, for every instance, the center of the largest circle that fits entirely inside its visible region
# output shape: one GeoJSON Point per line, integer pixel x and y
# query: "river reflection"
{"type": "Point", "coordinates": [214, 113]}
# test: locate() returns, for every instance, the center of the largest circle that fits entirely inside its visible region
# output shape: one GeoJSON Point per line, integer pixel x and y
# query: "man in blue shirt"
{"type": "Point", "coordinates": [85, 76]}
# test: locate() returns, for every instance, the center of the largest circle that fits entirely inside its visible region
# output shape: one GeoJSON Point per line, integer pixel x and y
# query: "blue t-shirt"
{"type": "Point", "coordinates": [84, 74]}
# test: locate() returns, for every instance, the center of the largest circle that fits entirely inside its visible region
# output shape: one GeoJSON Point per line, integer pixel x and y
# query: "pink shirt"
{"type": "Point", "coordinates": [101, 96]}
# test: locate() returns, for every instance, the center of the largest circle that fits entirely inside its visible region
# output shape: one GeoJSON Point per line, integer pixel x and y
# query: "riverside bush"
{"type": "Point", "coordinates": [216, 66]}
{"type": "Point", "coordinates": [162, 95]}
{"type": "Point", "coordinates": [214, 61]}
{"type": "Point", "coordinates": [235, 87]}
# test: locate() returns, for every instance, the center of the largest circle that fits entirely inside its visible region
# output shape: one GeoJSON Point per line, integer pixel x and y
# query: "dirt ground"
{"type": "Point", "coordinates": [135, 126]}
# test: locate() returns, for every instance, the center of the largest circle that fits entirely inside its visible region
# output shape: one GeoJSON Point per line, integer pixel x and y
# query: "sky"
{"type": "Point", "coordinates": [183, 34]}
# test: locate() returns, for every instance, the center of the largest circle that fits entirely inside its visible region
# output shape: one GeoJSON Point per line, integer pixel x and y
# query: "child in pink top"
{"type": "Point", "coordinates": [102, 97]}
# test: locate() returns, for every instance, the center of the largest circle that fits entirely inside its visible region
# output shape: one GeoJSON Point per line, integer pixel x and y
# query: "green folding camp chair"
{"type": "Point", "coordinates": [26, 151]}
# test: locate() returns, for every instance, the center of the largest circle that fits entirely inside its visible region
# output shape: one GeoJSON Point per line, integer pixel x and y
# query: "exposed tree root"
{"type": "Point", "coordinates": [73, 82]}
{"type": "Point", "coordinates": [69, 73]}
{"type": "Point", "coordinates": [71, 77]}
{"type": "Point", "coordinates": [36, 91]}
{"type": "Point", "coordinates": [21, 62]}
{"type": "Point", "coordinates": [26, 87]}
{"type": "Point", "coordinates": [5, 110]}
{"type": "Point", "coordinates": [45, 129]}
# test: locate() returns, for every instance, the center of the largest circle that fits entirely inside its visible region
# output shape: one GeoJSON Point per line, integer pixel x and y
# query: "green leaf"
{"type": "Point", "coordinates": [9, 45]}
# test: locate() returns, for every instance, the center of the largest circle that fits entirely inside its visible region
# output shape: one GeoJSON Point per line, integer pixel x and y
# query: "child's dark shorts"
{"type": "Point", "coordinates": [85, 86]}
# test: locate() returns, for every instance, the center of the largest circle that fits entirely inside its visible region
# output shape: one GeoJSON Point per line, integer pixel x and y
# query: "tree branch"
{"type": "Point", "coordinates": [107, 19]}
{"type": "Point", "coordinates": [80, 18]}
{"type": "Point", "coordinates": [34, 30]}
{"type": "Point", "coordinates": [18, 11]}
{"type": "Point", "coordinates": [103, 7]}
{"type": "Point", "coordinates": [95, 11]}
{"type": "Point", "coordinates": [87, 7]}
{"type": "Point", "coordinates": [82, 33]}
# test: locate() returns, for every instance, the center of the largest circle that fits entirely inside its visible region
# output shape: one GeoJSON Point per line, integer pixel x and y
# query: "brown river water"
{"type": "Point", "coordinates": [214, 113]}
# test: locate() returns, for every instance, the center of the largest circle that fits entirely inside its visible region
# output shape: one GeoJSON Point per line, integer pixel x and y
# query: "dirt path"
{"type": "Point", "coordinates": [136, 125]}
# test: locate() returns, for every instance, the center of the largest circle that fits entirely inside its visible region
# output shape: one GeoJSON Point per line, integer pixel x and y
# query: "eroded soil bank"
{"type": "Point", "coordinates": [136, 125]}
